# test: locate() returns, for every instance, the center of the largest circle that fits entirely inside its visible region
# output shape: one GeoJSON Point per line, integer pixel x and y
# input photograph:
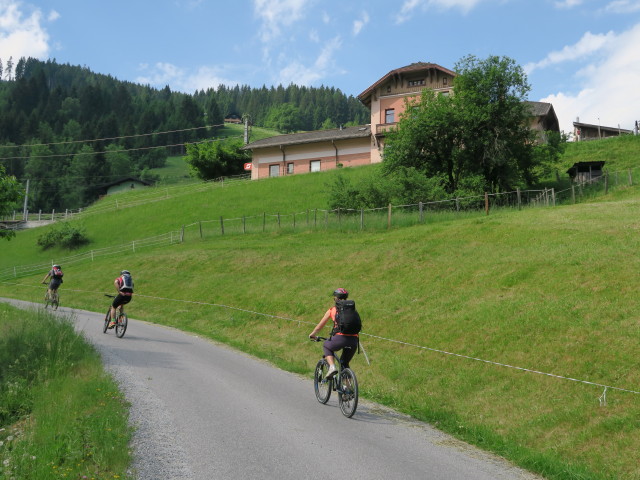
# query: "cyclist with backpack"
{"type": "Point", "coordinates": [124, 287]}
{"type": "Point", "coordinates": [344, 334]}
{"type": "Point", "coordinates": [55, 274]}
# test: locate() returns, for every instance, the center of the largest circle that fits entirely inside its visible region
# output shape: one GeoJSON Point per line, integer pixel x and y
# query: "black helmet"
{"type": "Point", "coordinates": [56, 266]}
{"type": "Point", "coordinates": [125, 272]}
{"type": "Point", "coordinates": [340, 293]}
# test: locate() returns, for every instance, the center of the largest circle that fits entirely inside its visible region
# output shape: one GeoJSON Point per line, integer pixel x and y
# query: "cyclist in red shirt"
{"type": "Point", "coordinates": [338, 341]}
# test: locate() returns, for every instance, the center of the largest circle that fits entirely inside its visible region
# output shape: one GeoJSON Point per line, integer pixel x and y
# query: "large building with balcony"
{"type": "Point", "coordinates": [363, 145]}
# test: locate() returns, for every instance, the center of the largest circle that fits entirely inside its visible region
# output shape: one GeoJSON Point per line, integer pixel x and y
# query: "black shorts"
{"type": "Point", "coordinates": [55, 283]}
{"type": "Point", "coordinates": [121, 300]}
{"type": "Point", "coordinates": [347, 343]}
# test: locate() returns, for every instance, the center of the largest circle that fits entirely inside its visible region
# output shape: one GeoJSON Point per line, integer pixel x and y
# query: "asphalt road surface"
{"type": "Point", "coordinates": [203, 411]}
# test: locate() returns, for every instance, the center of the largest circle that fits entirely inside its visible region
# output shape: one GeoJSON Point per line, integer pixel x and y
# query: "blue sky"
{"type": "Point", "coordinates": [583, 56]}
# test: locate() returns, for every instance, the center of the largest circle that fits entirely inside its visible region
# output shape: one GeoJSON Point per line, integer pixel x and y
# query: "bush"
{"type": "Point", "coordinates": [404, 186]}
{"type": "Point", "coordinates": [63, 235]}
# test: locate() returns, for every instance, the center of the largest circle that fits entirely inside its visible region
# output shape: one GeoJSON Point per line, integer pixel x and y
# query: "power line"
{"type": "Point", "coordinates": [68, 155]}
{"type": "Point", "coordinates": [108, 138]}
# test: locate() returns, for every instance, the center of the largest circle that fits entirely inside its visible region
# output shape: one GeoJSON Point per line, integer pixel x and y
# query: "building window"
{"type": "Point", "coordinates": [289, 168]}
{"type": "Point", "coordinates": [314, 166]}
{"type": "Point", "coordinates": [416, 83]}
{"type": "Point", "coordinates": [444, 81]}
{"type": "Point", "coordinates": [389, 115]}
{"type": "Point", "coordinates": [274, 170]}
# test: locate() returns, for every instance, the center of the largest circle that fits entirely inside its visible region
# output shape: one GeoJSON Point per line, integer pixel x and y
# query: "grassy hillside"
{"type": "Point", "coordinates": [546, 289]}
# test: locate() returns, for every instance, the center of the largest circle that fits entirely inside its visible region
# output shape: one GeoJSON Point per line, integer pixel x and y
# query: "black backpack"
{"type": "Point", "coordinates": [127, 284]}
{"type": "Point", "coordinates": [347, 317]}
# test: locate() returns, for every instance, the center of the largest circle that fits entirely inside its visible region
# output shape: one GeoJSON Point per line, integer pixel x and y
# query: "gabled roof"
{"type": "Point", "coordinates": [414, 67]}
{"type": "Point", "coordinates": [601, 127]}
{"type": "Point", "coordinates": [311, 137]}
{"type": "Point", "coordinates": [124, 180]}
{"type": "Point", "coordinates": [540, 109]}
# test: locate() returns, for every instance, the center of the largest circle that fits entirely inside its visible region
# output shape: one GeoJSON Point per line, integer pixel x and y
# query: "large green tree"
{"type": "Point", "coordinates": [216, 159]}
{"type": "Point", "coordinates": [11, 192]}
{"type": "Point", "coordinates": [476, 139]}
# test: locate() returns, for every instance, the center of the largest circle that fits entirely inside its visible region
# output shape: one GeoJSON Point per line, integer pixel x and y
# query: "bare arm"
{"type": "Point", "coordinates": [321, 324]}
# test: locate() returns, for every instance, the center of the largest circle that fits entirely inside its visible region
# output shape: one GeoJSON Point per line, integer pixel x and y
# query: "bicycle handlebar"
{"type": "Point", "coordinates": [318, 339]}
{"type": "Point", "coordinates": [110, 296]}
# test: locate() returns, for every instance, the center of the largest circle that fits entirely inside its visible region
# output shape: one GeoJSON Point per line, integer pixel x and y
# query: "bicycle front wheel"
{"type": "Point", "coordinates": [348, 392]}
{"type": "Point", "coordinates": [106, 321]}
{"type": "Point", "coordinates": [55, 301]}
{"type": "Point", "coordinates": [121, 325]}
{"type": "Point", "coordinates": [321, 384]}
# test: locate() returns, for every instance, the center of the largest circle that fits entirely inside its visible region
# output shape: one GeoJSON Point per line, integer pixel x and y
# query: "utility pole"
{"type": "Point", "coordinates": [246, 117]}
{"type": "Point", "coordinates": [26, 197]}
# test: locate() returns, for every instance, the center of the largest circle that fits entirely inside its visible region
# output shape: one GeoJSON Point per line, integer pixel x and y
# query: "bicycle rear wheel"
{"type": "Point", "coordinates": [55, 301]}
{"type": "Point", "coordinates": [321, 384]}
{"type": "Point", "coordinates": [106, 321]}
{"type": "Point", "coordinates": [348, 392]}
{"type": "Point", "coordinates": [121, 325]}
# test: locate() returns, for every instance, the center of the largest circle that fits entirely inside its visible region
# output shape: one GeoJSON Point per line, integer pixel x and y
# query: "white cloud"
{"type": "Point", "coordinates": [409, 6]}
{"type": "Point", "coordinates": [623, 6]}
{"type": "Point", "coordinates": [20, 35]}
{"type": "Point", "coordinates": [359, 24]}
{"type": "Point", "coordinates": [586, 46]}
{"type": "Point", "coordinates": [609, 93]}
{"type": "Point", "coordinates": [296, 72]}
{"type": "Point", "coordinates": [276, 14]}
{"type": "Point", "coordinates": [53, 16]}
{"type": "Point", "coordinates": [569, 3]}
{"type": "Point", "coordinates": [161, 74]}
{"type": "Point", "coordinates": [179, 79]}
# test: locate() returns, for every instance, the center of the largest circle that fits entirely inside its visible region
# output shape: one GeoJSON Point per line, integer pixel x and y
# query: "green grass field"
{"type": "Point", "coordinates": [550, 290]}
{"type": "Point", "coordinates": [61, 416]}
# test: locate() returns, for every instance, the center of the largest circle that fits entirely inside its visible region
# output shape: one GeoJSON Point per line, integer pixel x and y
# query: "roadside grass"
{"type": "Point", "coordinates": [61, 415]}
{"type": "Point", "coordinates": [546, 289]}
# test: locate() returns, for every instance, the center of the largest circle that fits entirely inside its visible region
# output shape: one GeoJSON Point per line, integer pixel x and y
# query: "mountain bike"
{"type": "Point", "coordinates": [344, 383]}
{"type": "Point", "coordinates": [52, 298]}
{"type": "Point", "coordinates": [121, 319]}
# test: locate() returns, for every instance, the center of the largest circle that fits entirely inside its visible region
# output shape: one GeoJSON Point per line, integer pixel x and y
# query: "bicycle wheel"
{"type": "Point", "coordinates": [348, 392]}
{"type": "Point", "coordinates": [47, 300]}
{"type": "Point", "coordinates": [106, 321]}
{"type": "Point", "coordinates": [55, 301]}
{"type": "Point", "coordinates": [121, 325]}
{"type": "Point", "coordinates": [321, 384]}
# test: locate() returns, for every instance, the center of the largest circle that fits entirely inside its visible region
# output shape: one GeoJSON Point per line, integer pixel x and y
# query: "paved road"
{"type": "Point", "coordinates": [204, 411]}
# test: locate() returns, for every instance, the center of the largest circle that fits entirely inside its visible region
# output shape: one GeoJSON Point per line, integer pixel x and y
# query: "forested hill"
{"type": "Point", "coordinates": [47, 108]}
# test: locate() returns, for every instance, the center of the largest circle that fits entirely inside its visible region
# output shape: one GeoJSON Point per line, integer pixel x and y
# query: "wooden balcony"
{"type": "Point", "coordinates": [382, 128]}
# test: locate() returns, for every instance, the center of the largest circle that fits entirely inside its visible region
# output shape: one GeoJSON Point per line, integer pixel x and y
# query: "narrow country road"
{"type": "Point", "coordinates": [203, 411]}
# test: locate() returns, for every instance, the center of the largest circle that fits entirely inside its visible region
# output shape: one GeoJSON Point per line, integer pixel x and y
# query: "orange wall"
{"type": "Point", "coordinates": [351, 153]}
{"type": "Point", "coordinates": [397, 103]}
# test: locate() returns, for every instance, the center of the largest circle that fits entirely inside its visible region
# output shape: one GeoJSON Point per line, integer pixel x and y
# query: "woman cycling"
{"type": "Point", "coordinates": [348, 343]}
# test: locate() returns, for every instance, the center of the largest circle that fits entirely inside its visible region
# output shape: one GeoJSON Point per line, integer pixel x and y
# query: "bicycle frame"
{"type": "Point", "coordinates": [344, 383]}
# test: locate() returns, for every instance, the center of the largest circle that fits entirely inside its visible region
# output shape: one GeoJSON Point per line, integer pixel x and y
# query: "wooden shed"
{"type": "Point", "coordinates": [585, 172]}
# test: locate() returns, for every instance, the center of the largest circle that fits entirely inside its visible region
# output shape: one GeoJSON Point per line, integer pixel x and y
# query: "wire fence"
{"type": "Point", "coordinates": [602, 398]}
{"type": "Point", "coordinates": [345, 220]}
{"type": "Point", "coordinates": [115, 202]}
